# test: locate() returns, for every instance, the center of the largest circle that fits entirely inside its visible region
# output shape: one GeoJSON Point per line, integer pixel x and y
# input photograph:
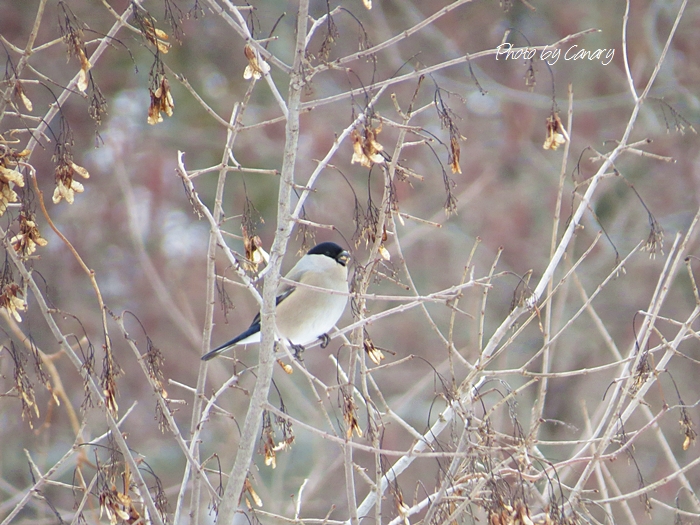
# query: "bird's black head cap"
{"type": "Point", "coordinates": [332, 250]}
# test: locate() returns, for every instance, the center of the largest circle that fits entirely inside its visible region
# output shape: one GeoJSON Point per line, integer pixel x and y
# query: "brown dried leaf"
{"type": "Point", "coordinates": [454, 156]}
{"type": "Point", "coordinates": [161, 101]}
{"type": "Point", "coordinates": [26, 241]}
{"type": "Point", "coordinates": [554, 137]}
{"type": "Point", "coordinates": [20, 93]}
{"type": "Point", "coordinates": [257, 67]}
{"type": "Point", "coordinates": [249, 488]}
{"type": "Point", "coordinates": [374, 353]}
{"type": "Point", "coordinates": [286, 367]}
{"type": "Point", "coordinates": [366, 149]}
{"type": "Point", "coordinates": [11, 300]}
{"type": "Point", "coordinates": [349, 414]}
{"type": "Point", "coordinates": [84, 68]}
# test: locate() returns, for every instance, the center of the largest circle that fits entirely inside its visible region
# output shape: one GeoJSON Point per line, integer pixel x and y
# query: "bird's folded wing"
{"type": "Point", "coordinates": [280, 297]}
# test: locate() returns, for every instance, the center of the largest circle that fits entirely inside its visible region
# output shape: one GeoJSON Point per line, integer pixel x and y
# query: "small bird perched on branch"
{"type": "Point", "coordinates": [304, 315]}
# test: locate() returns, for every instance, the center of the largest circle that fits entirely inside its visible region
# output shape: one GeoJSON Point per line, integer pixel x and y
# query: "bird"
{"type": "Point", "coordinates": [304, 315]}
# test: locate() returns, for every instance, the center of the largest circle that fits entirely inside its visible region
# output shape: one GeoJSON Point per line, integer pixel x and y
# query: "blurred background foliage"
{"type": "Point", "coordinates": [505, 196]}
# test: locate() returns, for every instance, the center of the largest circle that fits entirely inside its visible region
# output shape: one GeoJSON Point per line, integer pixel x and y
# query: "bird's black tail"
{"type": "Point", "coordinates": [254, 328]}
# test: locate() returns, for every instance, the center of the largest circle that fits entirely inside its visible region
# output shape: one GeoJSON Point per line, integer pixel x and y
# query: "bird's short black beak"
{"type": "Point", "coordinates": [343, 258]}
